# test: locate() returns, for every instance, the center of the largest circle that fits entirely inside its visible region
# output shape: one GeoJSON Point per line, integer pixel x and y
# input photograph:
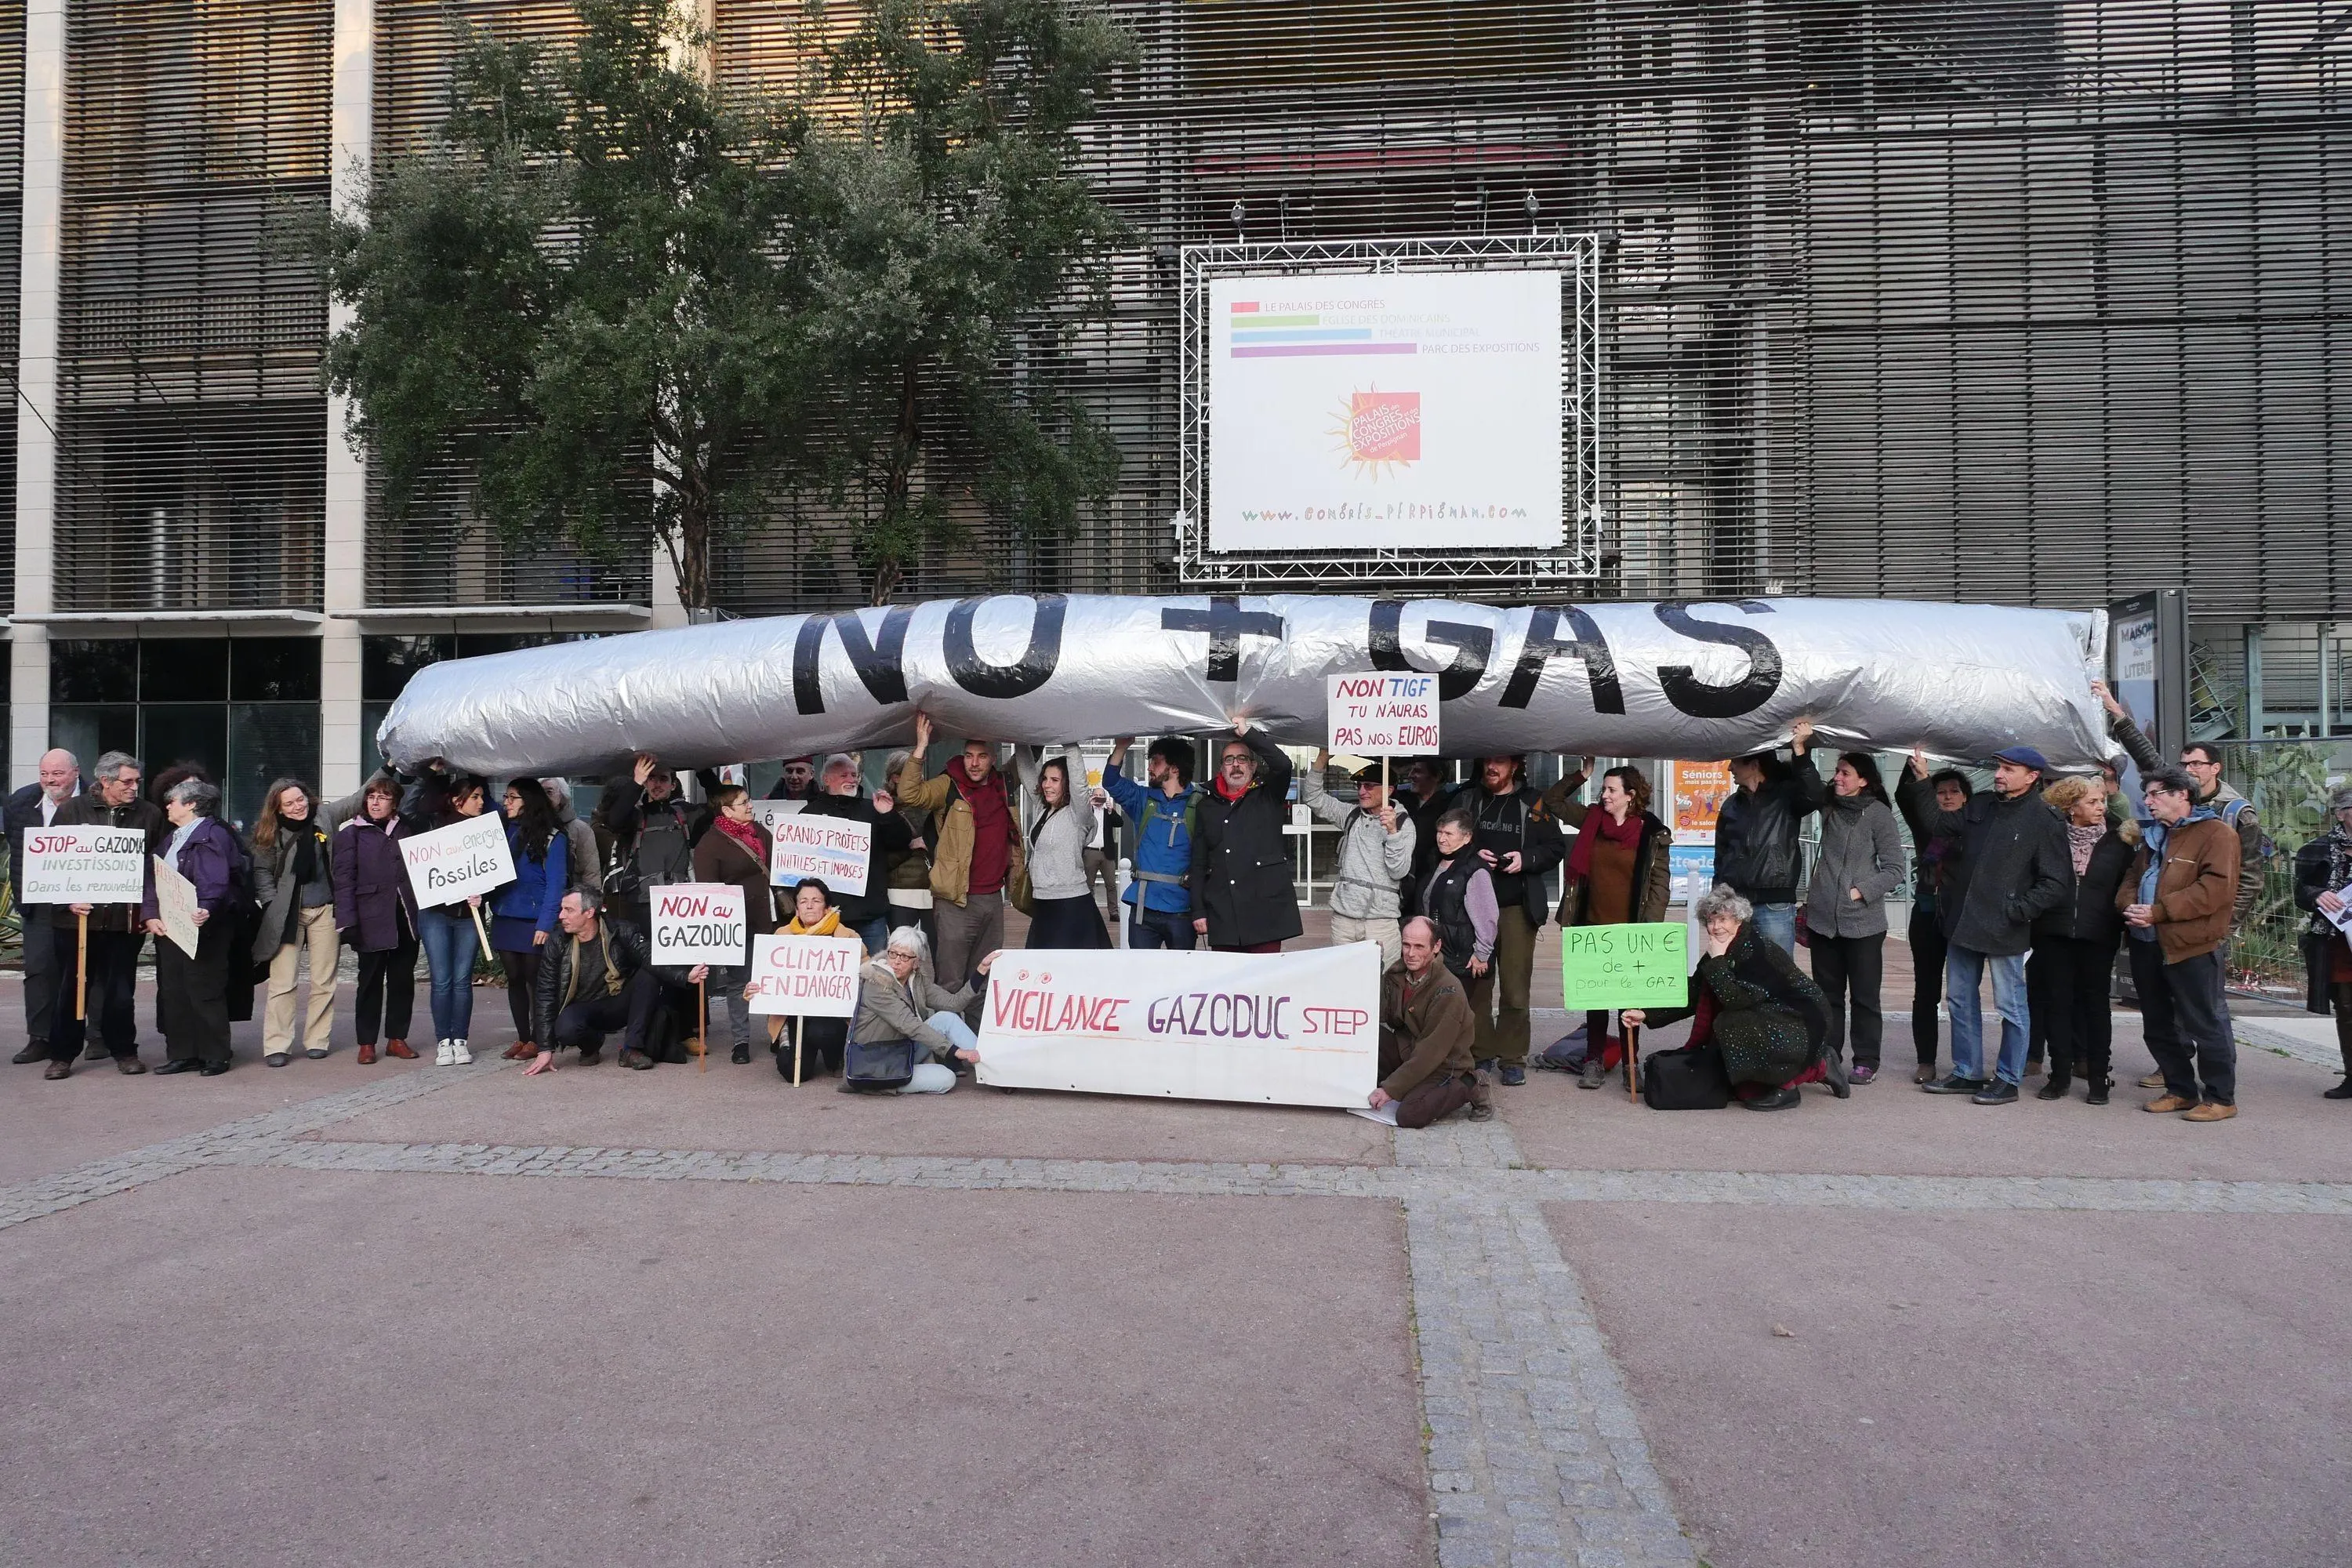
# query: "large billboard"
{"type": "Point", "coordinates": [1380, 411]}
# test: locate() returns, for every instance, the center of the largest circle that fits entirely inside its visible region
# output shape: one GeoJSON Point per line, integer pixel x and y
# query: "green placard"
{"type": "Point", "coordinates": [1624, 966]}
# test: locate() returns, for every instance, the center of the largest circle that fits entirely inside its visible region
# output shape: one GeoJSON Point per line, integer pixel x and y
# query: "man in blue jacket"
{"type": "Point", "coordinates": [1163, 810]}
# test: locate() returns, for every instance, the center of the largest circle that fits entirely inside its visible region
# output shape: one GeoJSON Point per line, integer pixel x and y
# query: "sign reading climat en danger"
{"type": "Point", "coordinates": [1288, 1029]}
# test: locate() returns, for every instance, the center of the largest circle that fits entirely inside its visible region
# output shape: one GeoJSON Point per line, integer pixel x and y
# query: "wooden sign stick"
{"type": "Point", "coordinates": [483, 931]}
{"type": "Point", "coordinates": [702, 1024]}
{"type": "Point", "coordinates": [1632, 1054]}
{"type": "Point", "coordinates": [796, 1052]}
{"type": "Point", "coordinates": [81, 966]}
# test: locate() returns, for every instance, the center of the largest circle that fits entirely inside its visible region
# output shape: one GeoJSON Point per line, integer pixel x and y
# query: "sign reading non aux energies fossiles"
{"type": "Point", "coordinates": [1286, 1029]}
{"type": "Point", "coordinates": [1624, 966]}
{"type": "Point", "coordinates": [84, 866]}
{"type": "Point", "coordinates": [698, 923]}
{"type": "Point", "coordinates": [452, 864]}
{"type": "Point", "coordinates": [1382, 714]}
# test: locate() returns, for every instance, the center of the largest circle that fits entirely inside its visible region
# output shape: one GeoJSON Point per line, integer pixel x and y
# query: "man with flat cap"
{"type": "Point", "coordinates": [2013, 865]}
{"type": "Point", "coordinates": [1376, 843]}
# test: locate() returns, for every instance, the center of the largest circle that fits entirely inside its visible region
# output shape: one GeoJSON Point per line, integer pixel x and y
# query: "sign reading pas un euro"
{"type": "Point", "coordinates": [1624, 966]}
{"type": "Point", "coordinates": [452, 864]}
{"type": "Point", "coordinates": [1393, 410]}
{"type": "Point", "coordinates": [698, 923]}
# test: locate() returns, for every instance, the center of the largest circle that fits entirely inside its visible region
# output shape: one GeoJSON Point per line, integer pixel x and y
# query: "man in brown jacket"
{"type": "Point", "coordinates": [1426, 1035]}
{"type": "Point", "coordinates": [2176, 901]}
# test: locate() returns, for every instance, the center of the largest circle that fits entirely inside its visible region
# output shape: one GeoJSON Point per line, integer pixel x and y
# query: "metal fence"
{"type": "Point", "coordinates": [2288, 782]}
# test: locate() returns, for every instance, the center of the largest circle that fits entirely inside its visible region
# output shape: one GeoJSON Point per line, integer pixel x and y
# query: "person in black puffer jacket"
{"type": "Point", "coordinates": [1756, 853]}
{"type": "Point", "coordinates": [2012, 869]}
{"type": "Point", "coordinates": [1242, 899]}
{"type": "Point", "coordinates": [2074, 942]}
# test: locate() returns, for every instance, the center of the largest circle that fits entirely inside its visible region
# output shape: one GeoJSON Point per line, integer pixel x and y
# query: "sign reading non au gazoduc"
{"type": "Point", "coordinates": [698, 923]}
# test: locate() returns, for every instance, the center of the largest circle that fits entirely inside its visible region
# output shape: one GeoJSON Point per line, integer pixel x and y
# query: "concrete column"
{"type": "Point", "coordinates": [345, 586]}
{"type": "Point", "coordinates": [37, 379]}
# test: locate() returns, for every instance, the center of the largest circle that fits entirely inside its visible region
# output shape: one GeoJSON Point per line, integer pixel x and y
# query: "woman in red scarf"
{"type": "Point", "coordinates": [1617, 874]}
{"type": "Point", "coordinates": [736, 850]}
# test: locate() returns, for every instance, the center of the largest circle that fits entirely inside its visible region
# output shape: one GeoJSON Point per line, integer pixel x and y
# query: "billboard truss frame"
{"type": "Point", "coordinates": [1576, 561]}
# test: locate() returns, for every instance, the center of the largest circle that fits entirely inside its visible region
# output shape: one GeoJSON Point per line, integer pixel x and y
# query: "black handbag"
{"type": "Point", "coordinates": [879, 1065]}
{"type": "Point", "coordinates": [1692, 1078]}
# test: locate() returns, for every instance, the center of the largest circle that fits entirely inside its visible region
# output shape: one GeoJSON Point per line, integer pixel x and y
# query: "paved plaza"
{"type": "Point", "coordinates": [395, 1314]}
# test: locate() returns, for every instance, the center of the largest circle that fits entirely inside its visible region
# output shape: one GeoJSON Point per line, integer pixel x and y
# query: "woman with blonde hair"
{"type": "Point", "coordinates": [2074, 944]}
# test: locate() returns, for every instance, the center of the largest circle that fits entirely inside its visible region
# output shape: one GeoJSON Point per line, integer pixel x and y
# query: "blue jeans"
{"type": "Point", "coordinates": [1963, 973]}
{"type": "Point", "coordinates": [1776, 923]}
{"type": "Point", "coordinates": [449, 946]}
{"type": "Point", "coordinates": [875, 933]}
{"type": "Point", "coordinates": [1160, 927]}
{"type": "Point", "coordinates": [952, 1026]}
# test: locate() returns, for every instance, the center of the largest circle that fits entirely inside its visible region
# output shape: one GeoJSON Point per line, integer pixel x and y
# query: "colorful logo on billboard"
{"type": "Point", "coordinates": [1379, 430]}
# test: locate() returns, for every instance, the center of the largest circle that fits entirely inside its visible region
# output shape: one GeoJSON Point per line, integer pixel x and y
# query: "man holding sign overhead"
{"type": "Point", "coordinates": [863, 899]}
{"type": "Point", "coordinates": [1376, 846]}
{"type": "Point", "coordinates": [109, 958]}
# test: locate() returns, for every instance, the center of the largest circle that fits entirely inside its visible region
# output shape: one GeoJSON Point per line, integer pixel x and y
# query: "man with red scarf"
{"type": "Point", "coordinates": [980, 851]}
{"type": "Point", "coordinates": [1243, 897]}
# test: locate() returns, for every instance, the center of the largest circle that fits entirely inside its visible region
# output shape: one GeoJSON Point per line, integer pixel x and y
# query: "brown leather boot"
{"type": "Point", "coordinates": [520, 1051]}
{"type": "Point", "coordinates": [399, 1048]}
{"type": "Point", "coordinates": [367, 1052]}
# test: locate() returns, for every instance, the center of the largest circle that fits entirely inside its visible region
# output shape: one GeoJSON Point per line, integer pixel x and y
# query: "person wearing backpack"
{"type": "Point", "coordinates": [1165, 809]}
{"type": "Point", "coordinates": [656, 832]}
{"type": "Point", "coordinates": [1375, 859]}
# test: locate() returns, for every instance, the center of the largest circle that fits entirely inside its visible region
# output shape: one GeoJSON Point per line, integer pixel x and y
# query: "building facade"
{"type": "Point", "coordinates": [2030, 300]}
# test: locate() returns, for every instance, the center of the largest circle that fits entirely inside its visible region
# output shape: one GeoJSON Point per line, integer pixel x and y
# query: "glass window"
{"type": "Point", "coordinates": [183, 669]}
{"type": "Point", "coordinates": [387, 662]}
{"type": "Point", "coordinates": [88, 729]}
{"type": "Point", "coordinates": [267, 742]}
{"type": "Point", "coordinates": [195, 733]}
{"type": "Point", "coordinates": [91, 670]}
{"type": "Point", "coordinates": [273, 670]}
{"type": "Point", "coordinates": [474, 645]}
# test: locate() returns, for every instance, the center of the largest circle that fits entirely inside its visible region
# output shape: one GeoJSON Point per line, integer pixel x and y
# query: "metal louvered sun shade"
{"type": "Point", "coordinates": [191, 463]}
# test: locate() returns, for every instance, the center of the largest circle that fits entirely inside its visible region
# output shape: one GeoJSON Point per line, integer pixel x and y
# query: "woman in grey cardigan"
{"type": "Point", "coordinates": [1062, 912]}
{"type": "Point", "coordinates": [1845, 907]}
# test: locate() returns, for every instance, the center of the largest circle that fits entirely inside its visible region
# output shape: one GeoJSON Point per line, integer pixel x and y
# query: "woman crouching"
{"type": "Point", "coordinates": [1760, 1012]}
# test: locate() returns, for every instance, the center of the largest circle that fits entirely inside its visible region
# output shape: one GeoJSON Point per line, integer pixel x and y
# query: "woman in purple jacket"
{"type": "Point", "coordinates": [192, 990]}
{"type": "Point", "coordinates": [377, 915]}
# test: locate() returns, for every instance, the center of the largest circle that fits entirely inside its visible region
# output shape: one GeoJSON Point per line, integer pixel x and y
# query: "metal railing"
{"type": "Point", "coordinates": [2288, 783]}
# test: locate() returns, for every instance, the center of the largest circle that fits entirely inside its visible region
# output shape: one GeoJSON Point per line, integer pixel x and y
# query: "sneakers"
{"type": "Point", "coordinates": [1999, 1091]}
{"type": "Point", "coordinates": [1514, 1075]}
{"type": "Point", "coordinates": [1955, 1084]}
{"type": "Point", "coordinates": [2211, 1111]}
{"type": "Point", "coordinates": [1592, 1074]}
{"type": "Point", "coordinates": [2170, 1103]}
{"type": "Point", "coordinates": [458, 1055]}
{"type": "Point", "coordinates": [742, 1053]}
{"type": "Point", "coordinates": [1863, 1073]}
{"type": "Point", "coordinates": [445, 1053]}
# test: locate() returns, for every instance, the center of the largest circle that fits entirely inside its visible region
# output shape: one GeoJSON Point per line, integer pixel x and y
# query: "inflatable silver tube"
{"type": "Point", "coordinates": [1677, 679]}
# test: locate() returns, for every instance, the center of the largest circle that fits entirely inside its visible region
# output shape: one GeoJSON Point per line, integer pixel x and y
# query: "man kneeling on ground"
{"type": "Point", "coordinates": [899, 999]}
{"type": "Point", "coordinates": [1426, 1035]}
{"type": "Point", "coordinates": [594, 980]}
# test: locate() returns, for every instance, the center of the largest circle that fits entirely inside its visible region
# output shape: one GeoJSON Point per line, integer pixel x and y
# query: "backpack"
{"type": "Point", "coordinates": [1155, 810]}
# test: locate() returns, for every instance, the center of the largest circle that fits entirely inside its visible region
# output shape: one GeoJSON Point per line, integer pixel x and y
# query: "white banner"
{"type": "Point", "coordinates": [450, 865]}
{"type": "Point", "coordinates": [1384, 410]}
{"type": "Point", "coordinates": [84, 866]}
{"type": "Point", "coordinates": [806, 977]}
{"type": "Point", "coordinates": [698, 923]}
{"type": "Point", "coordinates": [1285, 1028]}
{"type": "Point", "coordinates": [1373, 715]}
{"type": "Point", "coordinates": [834, 849]}
{"type": "Point", "coordinates": [175, 906]}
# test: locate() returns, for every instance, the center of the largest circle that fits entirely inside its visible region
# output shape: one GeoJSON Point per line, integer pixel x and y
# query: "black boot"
{"type": "Point", "coordinates": [2341, 1092]}
{"type": "Point", "coordinates": [2055, 1088]}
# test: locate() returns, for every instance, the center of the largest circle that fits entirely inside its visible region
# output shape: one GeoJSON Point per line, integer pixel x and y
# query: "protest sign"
{"type": "Point", "coordinates": [175, 906]}
{"type": "Point", "coordinates": [768, 813]}
{"type": "Point", "coordinates": [835, 850]}
{"type": "Point", "coordinates": [698, 923]}
{"type": "Point", "coordinates": [806, 977]}
{"type": "Point", "coordinates": [1285, 1028]}
{"type": "Point", "coordinates": [1624, 966]}
{"type": "Point", "coordinates": [84, 866]}
{"type": "Point", "coordinates": [1381, 715]}
{"type": "Point", "coordinates": [450, 865]}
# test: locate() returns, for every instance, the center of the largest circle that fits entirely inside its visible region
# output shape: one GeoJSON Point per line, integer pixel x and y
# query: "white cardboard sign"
{"type": "Point", "coordinates": [450, 865]}
{"type": "Point", "coordinates": [1383, 713]}
{"type": "Point", "coordinates": [806, 977]}
{"type": "Point", "coordinates": [768, 813]}
{"type": "Point", "coordinates": [1284, 1028]}
{"type": "Point", "coordinates": [834, 849]}
{"type": "Point", "coordinates": [698, 923]}
{"type": "Point", "coordinates": [175, 906]}
{"type": "Point", "coordinates": [84, 866]}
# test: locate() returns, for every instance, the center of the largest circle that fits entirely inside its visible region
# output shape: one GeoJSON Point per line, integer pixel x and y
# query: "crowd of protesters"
{"type": "Point", "coordinates": [2038, 883]}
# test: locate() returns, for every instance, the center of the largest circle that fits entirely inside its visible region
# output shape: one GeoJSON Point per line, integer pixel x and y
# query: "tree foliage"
{"type": "Point", "coordinates": [626, 298]}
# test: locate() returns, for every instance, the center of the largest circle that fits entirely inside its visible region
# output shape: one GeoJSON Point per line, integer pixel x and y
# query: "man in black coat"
{"type": "Point", "coordinates": [117, 931]}
{"type": "Point", "coordinates": [596, 977]}
{"type": "Point", "coordinates": [36, 805]}
{"type": "Point", "coordinates": [2013, 867]}
{"type": "Point", "coordinates": [1244, 897]}
{"type": "Point", "coordinates": [865, 909]}
{"type": "Point", "coordinates": [1519, 841]}
{"type": "Point", "coordinates": [1756, 853]}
